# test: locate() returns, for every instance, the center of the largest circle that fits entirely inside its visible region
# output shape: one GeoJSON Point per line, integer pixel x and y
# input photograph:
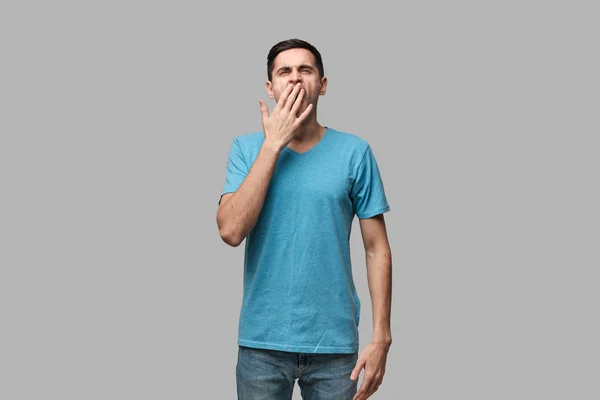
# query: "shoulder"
{"type": "Point", "coordinates": [248, 144]}
{"type": "Point", "coordinates": [249, 139]}
{"type": "Point", "coordinates": [349, 143]}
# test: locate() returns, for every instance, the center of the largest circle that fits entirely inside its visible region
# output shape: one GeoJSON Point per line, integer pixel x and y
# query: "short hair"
{"type": "Point", "coordinates": [293, 44]}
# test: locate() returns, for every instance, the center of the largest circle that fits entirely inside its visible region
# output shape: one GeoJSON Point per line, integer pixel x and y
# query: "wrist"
{"type": "Point", "coordinates": [382, 344]}
{"type": "Point", "coordinates": [384, 339]}
{"type": "Point", "coordinates": [272, 146]}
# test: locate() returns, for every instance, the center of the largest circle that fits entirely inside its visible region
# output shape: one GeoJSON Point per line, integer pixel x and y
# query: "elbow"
{"type": "Point", "coordinates": [231, 239]}
{"type": "Point", "coordinates": [229, 235]}
{"type": "Point", "coordinates": [227, 230]}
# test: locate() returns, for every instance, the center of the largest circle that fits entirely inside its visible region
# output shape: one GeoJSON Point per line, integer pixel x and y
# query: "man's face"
{"type": "Point", "coordinates": [297, 66]}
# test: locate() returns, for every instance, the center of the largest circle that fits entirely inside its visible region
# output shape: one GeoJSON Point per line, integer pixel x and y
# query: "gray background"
{"type": "Point", "coordinates": [115, 126]}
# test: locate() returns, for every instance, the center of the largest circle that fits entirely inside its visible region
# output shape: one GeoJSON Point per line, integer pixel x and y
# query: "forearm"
{"type": "Point", "coordinates": [379, 275]}
{"type": "Point", "coordinates": [239, 214]}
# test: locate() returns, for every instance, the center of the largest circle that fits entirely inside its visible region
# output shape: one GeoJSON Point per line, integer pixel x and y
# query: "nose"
{"type": "Point", "coordinates": [295, 76]}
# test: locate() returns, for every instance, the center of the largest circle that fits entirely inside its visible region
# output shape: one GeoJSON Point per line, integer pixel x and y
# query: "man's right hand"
{"type": "Point", "coordinates": [280, 127]}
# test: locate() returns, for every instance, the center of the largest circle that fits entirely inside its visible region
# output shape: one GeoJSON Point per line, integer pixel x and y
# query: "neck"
{"type": "Point", "coordinates": [309, 131]}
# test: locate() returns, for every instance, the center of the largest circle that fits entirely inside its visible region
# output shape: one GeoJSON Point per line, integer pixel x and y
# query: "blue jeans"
{"type": "Point", "coordinates": [270, 375]}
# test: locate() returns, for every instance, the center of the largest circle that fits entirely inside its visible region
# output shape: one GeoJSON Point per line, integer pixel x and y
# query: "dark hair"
{"type": "Point", "coordinates": [293, 44]}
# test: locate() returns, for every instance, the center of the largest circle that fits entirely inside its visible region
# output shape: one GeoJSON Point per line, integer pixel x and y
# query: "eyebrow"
{"type": "Point", "coordinates": [287, 67]}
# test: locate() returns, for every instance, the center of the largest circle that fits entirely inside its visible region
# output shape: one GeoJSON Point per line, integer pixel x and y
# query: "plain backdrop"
{"type": "Point", "coordinates": [116, 121]}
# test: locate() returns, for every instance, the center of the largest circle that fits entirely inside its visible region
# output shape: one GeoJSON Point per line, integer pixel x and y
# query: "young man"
{"type": "Point", "coordinates": [292, 192]}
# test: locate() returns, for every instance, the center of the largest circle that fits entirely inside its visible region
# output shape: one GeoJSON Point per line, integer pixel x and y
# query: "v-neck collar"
{"type": "Point", "coordinates": [312, 148]}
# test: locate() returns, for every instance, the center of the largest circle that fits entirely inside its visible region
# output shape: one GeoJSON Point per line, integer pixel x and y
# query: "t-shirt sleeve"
{"type": "Point", "coordinates": [368, 194]}
{"type": "Point", "coordinates": [236, 171]}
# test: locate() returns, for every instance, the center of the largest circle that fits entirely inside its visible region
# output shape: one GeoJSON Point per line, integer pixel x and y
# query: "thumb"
{"type": "Point", "coordinates": [264, 110]}
{"type": "Point", "coordinates": [356, 371]}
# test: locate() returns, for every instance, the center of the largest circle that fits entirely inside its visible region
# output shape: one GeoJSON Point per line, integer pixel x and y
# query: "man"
{"type": "Point", "coordinates": [292, 191]}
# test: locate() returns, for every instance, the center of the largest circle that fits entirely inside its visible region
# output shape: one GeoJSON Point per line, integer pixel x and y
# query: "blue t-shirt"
{"type": "Point", "coordinates": [298, 290]}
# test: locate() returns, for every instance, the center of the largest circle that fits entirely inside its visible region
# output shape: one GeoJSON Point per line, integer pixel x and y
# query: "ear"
{"type": "Point", "coordinates": [323, 86]}
{"type": "Point", "coordinates": [269, 87]}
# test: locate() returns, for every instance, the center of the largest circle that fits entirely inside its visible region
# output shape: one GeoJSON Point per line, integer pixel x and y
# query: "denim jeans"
{"type": "Point", "coordinates": [270, 375]}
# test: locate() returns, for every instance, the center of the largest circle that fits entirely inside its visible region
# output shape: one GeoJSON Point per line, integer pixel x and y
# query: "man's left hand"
{"type": "Point", "coordinates": [372, 359]}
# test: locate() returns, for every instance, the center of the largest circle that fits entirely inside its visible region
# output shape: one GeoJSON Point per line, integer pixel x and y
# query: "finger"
{"type": "Point", "coordinates": [292, 97]}
{"type": "Point", "coordinates": [301, 118]}
{"type": "Point", "coordinates": [362, 391]}
{"type": "Point", "coordinates": [284, 96]}
{"type": "Point", "coordinates": [298, 102]}
{"type": "Point", "coordinates": [374, 385]}
{"type": "Point", "coordinates": [372, 388]}
{"type": "Point", "coordinates": [365, 389]}
{"type": "Point", "coordinates": [264, 110]}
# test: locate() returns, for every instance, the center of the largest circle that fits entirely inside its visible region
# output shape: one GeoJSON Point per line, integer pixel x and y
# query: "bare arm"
{"type": "Point", "coordinates": [373, 357]}
{"type": "Point", "coordinates": [239, 211]}
{"type": "Point", "coordinates": [379, 275]}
